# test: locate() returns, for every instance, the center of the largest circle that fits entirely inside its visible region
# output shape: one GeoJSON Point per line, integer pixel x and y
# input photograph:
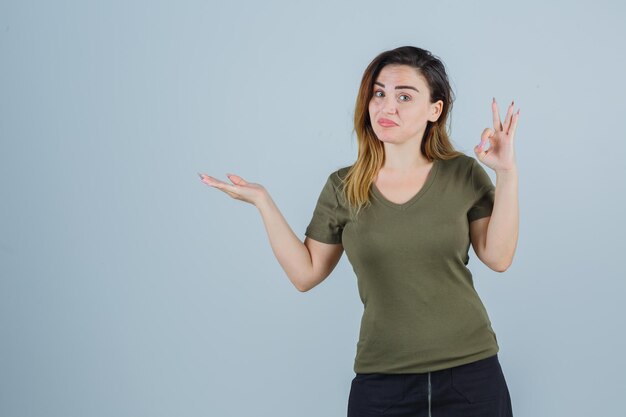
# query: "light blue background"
{"type": "Point", "coordinates": [129, 288]}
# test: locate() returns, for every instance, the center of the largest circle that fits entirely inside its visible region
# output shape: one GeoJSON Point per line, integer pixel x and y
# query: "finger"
{"type": "Point", "coordinates": [236, 179]}
{"type": "Point", "coordinates": [513, 126]}
{"type": "Point", "coordinates": [233, 195]}
{"type": "Point", "coordinates": [228, 189]}
{"type": "Point", "coordinates": [480, 151]}
{"type": "Point", "coordinates": [487, 133]}
{"type": "Point", "coordinates": [220, 184]}
{"type": "Point", "coordinates": [497, 124]}
{"type": "Point", "coordinates": [207, 179]}
{"type": "Point", "coordinates": [507, 118]}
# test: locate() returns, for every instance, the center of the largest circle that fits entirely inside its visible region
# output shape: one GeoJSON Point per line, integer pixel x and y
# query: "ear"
{"type": "Point", "coordinates": [435, 110]}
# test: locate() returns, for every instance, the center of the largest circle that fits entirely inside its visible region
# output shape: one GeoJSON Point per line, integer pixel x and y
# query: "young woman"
{"type": "Point", "coordinates": [406, 212]}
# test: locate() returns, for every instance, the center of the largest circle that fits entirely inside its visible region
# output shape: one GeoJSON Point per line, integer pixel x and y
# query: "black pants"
{"type": "Point", "coordinates": [476, 389]}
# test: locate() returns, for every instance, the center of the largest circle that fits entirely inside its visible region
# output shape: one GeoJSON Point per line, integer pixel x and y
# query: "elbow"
{"type": "Point", "coordinates": [501, 266]}
{"type": "Point", "coordinates": [301, 287]}
{"type": "Point", "coordinates": [498, 261]}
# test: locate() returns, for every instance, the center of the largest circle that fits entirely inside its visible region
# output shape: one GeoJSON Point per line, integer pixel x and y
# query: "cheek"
{"type": "Point", "coordinates": [413, 116]}
{"type": "Point", "coordinates": [372, 115]}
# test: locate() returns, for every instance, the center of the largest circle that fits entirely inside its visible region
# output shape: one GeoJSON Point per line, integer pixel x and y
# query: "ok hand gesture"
{"type": "Point", "coordinates": [501, 155]}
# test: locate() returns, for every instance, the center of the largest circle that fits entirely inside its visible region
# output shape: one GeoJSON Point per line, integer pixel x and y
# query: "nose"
{"type": "Point", "coordinates": [389, 105]}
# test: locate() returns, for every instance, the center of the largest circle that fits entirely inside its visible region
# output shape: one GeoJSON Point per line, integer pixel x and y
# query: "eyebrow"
{"type": "Point", "coordinates": [398, 87]}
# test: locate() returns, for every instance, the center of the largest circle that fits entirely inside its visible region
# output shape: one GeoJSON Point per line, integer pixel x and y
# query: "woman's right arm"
{"type": "Point", "coordinates": [306, 264]}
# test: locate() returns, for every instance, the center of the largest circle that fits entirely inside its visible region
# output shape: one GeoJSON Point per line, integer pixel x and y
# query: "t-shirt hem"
{"type": "Point", "coordinates": [322, 237]}
{"type": "Point", "coordinates": [427, 368]}
{"type": "Point", "coordinates": [479, 214]}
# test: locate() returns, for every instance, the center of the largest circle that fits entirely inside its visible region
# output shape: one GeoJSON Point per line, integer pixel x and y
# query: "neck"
{"type": "Point", "coordinates": [405, 157]}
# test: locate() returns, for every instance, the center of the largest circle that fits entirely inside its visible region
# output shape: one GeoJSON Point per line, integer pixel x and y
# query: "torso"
{"type": "Point", "coordinates": [400, 190]}
{"type": "Point", "coordinates": [421, 312]}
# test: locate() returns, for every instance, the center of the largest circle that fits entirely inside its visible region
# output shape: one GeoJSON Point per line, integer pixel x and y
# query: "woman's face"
{"type": "Point", "coordinates": [400, 106]}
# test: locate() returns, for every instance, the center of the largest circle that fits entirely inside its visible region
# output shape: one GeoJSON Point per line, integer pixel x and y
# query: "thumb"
{"type": "Point", "coordinates": [479, 149]}
{"type": "Point", "coordinates": [480, 153]}
{"type": "Point", "coordinates": [236, 179]}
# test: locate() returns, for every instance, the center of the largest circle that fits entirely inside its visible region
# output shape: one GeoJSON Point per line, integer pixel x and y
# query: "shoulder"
{"type": "Point", "coordinates": [338, 175]}
{"type": "Point", "coordinates": [459, 165]}
{"type": "Point", "coordinates": [459, 160]}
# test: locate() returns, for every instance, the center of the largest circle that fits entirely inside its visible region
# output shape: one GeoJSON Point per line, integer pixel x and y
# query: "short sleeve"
{"type": "Point", "coordinates": [324, 226]}
{"type": "Point", "coordinates": [483, 191]}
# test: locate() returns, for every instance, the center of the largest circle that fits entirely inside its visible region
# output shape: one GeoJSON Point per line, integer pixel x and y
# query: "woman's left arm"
{"type": "Point", "coordinates": [494, 238]}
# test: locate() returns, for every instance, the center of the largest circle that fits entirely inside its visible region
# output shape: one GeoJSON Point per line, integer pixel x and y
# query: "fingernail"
{"type": "Point", "coordinates": [513, 102]}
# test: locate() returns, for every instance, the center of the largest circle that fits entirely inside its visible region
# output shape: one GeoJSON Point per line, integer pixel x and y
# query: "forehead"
{"type": "Point", "coordinates": [401, 74]}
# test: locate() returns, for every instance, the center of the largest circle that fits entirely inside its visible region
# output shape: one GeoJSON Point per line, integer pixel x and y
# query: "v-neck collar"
{"type": "Point", "coordinates": [429, 181]}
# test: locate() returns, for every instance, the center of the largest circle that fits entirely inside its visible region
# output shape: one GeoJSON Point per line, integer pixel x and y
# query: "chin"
{"type": "Point", "coordinates": [386, 138]}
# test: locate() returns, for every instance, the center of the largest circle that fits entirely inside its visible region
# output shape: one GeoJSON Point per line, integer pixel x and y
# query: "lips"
{"type": "Point", "coordinates": [386, 122]}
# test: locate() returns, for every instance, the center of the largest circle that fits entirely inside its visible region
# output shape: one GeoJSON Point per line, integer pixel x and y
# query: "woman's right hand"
{"type": "Point", "coordinates": [240, 189]}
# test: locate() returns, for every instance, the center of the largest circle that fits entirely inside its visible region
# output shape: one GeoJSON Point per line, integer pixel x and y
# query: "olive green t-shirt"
{"type": "Point", "coordinates": [421, 310]}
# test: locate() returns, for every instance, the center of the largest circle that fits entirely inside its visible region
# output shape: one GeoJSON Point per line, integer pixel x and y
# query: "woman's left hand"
{"type": "Point", "coordinates": [501, 155]}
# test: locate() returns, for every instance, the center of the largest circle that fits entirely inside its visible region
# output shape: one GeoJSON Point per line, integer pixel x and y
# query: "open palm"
{"type": "Point", "coordinates": [240, 189]}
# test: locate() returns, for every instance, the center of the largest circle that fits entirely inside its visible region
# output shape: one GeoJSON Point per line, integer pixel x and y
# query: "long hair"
{"type": "Point", "coordinates": [371, 152]}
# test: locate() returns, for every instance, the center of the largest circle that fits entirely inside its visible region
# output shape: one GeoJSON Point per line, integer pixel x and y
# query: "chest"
{"type": "Point", "coordinates": [400, 190]}
{"type": "Point", "coordinates": [432, 231]}
{"type": "Point", "coordinates": [421, 220]}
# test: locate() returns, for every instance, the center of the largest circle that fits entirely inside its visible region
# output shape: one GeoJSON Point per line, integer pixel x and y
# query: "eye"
{"type": "Point", "coordinates": [376, 94]}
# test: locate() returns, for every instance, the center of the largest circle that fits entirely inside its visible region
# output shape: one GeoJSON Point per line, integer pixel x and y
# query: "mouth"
{"type": "Point", "coordinates": [386, 122]}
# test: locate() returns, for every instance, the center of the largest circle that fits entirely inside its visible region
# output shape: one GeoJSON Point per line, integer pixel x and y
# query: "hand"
{"type": "Point", "coordinates": [501, 155]}
{"type": "Point", "coordinates": [241, 190]}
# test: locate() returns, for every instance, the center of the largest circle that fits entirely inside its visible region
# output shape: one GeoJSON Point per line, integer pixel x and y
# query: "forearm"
{"type": "Point", "coordinates": [289, 250]}
{"type": "Point", "coordinates": [503, 229]}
